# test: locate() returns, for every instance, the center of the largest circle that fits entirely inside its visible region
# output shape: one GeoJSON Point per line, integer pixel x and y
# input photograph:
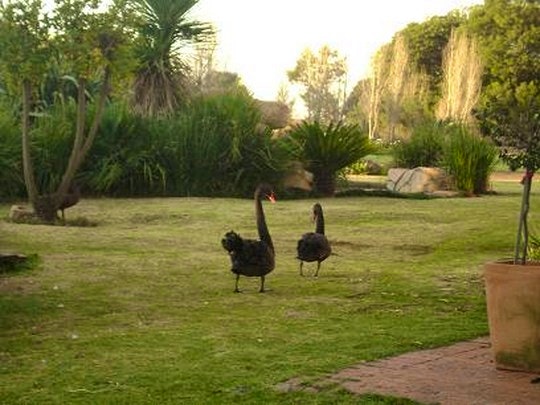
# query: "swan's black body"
{"type": "Point", "coordinates": [314, 246]}
{"type": "Point", "coordinates": [252, 258]}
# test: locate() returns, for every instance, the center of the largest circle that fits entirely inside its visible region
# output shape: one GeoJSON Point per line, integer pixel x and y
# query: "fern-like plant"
{"type": "Point", "coordinates": [326, 149]}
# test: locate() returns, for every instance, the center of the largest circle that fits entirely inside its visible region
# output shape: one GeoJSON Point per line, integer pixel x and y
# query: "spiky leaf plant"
{"type": "Point", "coordinates": [161, 82]}
{"type": "Point", "coordinates": [326, 149]}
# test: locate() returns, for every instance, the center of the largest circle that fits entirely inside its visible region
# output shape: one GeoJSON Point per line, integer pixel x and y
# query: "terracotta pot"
{"type": "Point", "coordinates": [513, 306]}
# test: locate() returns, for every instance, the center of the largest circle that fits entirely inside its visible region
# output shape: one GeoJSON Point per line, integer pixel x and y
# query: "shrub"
{"type": "Point", "coordinates": [327, 149]}
{"type": "Point", "coordinates": [469, 158]}
{"type": "Point", "coordinates": [212, 147]}
{"type": "Point", "coordinates": [423, 148]}
{"type": "Point", "coordinates": [11, 175]}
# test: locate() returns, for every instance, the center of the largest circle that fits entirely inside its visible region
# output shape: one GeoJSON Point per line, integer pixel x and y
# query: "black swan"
{"type": "Point", "coordinates": [71, 198]}
{"type": "Point", "coordinates": [252, 258]}
{"type": "Point", "coordinates": [314, 246]}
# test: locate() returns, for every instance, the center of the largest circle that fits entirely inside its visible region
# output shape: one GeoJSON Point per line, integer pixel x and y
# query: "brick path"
{"type": "Point", "coordinates": [461, 374]}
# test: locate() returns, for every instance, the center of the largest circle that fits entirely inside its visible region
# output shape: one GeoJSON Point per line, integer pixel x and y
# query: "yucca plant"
{"type": "Point", "coordinates": [161, 81]}
{"type": "Point", "coordinates": [326, 149]}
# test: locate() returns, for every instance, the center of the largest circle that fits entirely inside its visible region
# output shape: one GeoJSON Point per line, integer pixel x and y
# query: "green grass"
{"type": "Point", "coordinates": [140, 310]}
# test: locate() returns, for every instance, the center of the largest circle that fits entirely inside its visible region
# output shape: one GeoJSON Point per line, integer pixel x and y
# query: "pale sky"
{"type": "Point", "coordinates": [262, 39]}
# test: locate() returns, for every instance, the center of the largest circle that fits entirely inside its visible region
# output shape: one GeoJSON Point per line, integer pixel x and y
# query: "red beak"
{"type": "Point", "coordinates": [271, 197]}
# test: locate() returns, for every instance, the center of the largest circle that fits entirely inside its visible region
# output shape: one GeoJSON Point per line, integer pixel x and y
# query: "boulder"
{"type": "Point", "coordinates": [18, 213]}
{"type": "Point", "coordinates": [427, 180]}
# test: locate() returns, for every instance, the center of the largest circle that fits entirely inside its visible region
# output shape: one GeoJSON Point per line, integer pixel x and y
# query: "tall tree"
{"type": "Point", "coordinates": [462, 81]}
{"type": "Point", "coordinates": [323, 78]}
{"type": "Point", "coordinates": [509, 37]}
{"type": "Point", "coordinates": [397, 91]}
{"type": "Point", "coordinates": [426, 42]}
{"type": "Point", "coordinates": [162, 79]}
{"type": "Point", "coordinates": [85, 42]}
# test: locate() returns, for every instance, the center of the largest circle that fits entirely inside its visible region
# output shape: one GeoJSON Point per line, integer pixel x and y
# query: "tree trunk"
{"type": "Point", "coordinates": [325, 183]}
{"type": "Point", "coordinates": [46, 207]}
{"type": "Point", "coordinates": [28, 169]}
{"type": "Point", "coordinates": [520, 252]}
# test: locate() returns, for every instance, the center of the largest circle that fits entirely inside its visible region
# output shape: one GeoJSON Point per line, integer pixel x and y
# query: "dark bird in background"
{"type": "Point", "coordinates": [314, 246]}
{"type": "Point", "coordinates": [71, 198]}
{"type": "Point", "coordinates": [252, 258]}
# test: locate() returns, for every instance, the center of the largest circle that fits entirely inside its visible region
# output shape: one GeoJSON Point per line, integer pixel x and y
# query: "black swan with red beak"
{"type": "Point", "coordinates": [314, 246]}
{"type": "Point", "coordinates": [252, 258]}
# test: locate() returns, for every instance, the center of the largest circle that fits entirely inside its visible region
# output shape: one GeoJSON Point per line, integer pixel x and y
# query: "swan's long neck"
{"type": "Point", "coordinates": [319, 224]}
{"type": "Point", "coordinates": [264, 234]}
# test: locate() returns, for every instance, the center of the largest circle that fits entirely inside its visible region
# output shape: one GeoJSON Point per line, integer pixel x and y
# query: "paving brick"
{"type": "Point", "coordinates": [460, 374]}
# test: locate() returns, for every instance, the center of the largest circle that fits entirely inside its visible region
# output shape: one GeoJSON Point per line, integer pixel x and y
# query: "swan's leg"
{"type": "Point", "coordinates": [318, 267]}
{"type": "Point", "coordinates": [262, 284]}
{"type": "Point", "coordinates": [236, 290]}
{"type": "Point", "coordinates": [301, 265]}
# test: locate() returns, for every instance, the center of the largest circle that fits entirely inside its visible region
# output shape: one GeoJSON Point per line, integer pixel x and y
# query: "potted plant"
{"type": "Point", "coordinates": [512, 118]}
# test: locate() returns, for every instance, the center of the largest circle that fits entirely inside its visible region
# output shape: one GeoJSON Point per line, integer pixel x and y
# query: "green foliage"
{"type": "Point", "coordinates": [163, 27]}
{"type": "Point", "coordinates": [423, 148]}
{"type": "Point", "coordinates": [11, 182]}
{"type": "Point", "coordinates": [212, 147]}
{"type": "Point", "coordinates": [426, 42]}
{"type": "Point", "coordinates": [24, 43]}
{"type": "Point", "coordinates": [533, 249]}
{"type": "Point", "coordinates": [326, 149]}
{"type": "Point", "coordinates": [469, 158]}
{"type": "Point", "coordinates": [215, 146]}
{"type": "Point", "coordinates": [129, 155]}
{"type": "Point", "coordinates": [512, 118]}
{"type": "Point", "coordinates": [509, 38]}
{"type": "Point", "coordinates": [222, 149]}
{"type": "Point", "coordinates": [508, 32]}
{"type": "Point", "coordinates": [52, 139]}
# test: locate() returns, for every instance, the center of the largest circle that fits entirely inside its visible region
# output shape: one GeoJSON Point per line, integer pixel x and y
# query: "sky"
{"type": "Point", "coordinates": [261, 39]}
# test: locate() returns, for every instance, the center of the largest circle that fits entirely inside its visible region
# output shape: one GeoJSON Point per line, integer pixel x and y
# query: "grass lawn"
{"type": "Point", "coordinates": [140, 309]}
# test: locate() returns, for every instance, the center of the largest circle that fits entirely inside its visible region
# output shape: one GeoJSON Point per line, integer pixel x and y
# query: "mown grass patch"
{"type": "Point", "coordinates": [140, 308]}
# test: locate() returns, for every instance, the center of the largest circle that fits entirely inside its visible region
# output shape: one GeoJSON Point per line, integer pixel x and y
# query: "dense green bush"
{"type": "Point", "coordinates": [424, 148]}
{"type": "Point", "coordinates": [11, 175]}
{"type": "Point", "coordinates": [222, 149]}
{"type": "Point", "coordinates": [469, 158]}
{"type": "Point", "coordinates": [213, 147]}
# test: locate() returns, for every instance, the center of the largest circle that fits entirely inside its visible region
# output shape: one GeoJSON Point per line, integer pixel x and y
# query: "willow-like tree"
{"type": "Point", "coordinates": [462, 78]}
{"type": "Point", "coordinates": [396, 92]}
{"type": "Point", "coordinates": [84, 42]}
{"type": "Point", "coordinates": [162, 78]}
{"type": "Point", "coordinates": [323, 78]}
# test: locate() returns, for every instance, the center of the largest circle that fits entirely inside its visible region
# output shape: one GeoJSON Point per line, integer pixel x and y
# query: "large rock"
{"type": "Point", "coordinates": [418, 180]}
{"type": "Point", "coordinates": [18, 213]}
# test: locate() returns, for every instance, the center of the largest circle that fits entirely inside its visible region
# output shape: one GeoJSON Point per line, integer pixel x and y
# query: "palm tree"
{"type": "Point", "coordinates": [161, 81]}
